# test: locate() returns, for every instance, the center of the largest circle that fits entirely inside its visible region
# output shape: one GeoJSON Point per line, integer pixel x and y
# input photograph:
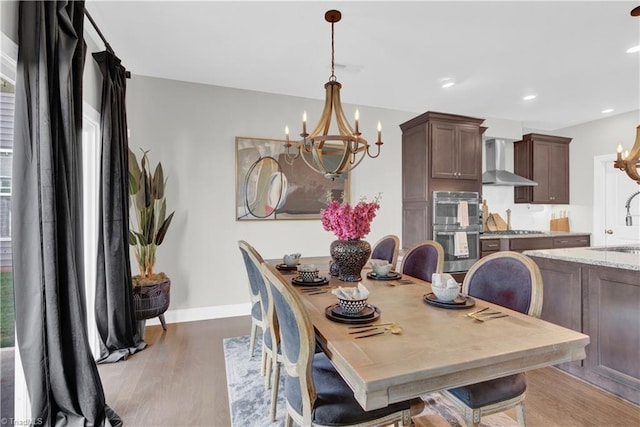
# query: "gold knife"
{"type": "Point", "coordinates": [371, 335]}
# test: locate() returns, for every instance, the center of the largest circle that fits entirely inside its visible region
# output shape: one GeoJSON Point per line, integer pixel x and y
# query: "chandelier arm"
{"type": "Point", "coordinates": [343, 123]}
{"type": "Point", "coordinates": [631, 163]}
{"type": "Point", "coordinates": [352, 165]}
{"type": "Point", "coordinates": [289, 158]}
{"type": "Point", "coordinates": [377, 153]}
{"type": "Point", "coordinates": [324, 124]}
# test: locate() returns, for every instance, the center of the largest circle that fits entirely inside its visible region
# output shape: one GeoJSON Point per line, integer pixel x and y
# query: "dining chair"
{"type": "Point", "coordinates": [254, 295]}
{"type": "Point", "coordinates": [271, 354]}
{"type": "Point", "coordinates": [316, 394]}
{"type": "Point", "coordinates": [511, 280]}
{"type": "Point", "coordinates": [387, 248]}
{"type": "Point", "coordinates": [423, 259]}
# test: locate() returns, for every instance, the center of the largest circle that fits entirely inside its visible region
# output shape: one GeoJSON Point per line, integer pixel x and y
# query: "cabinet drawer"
{"type": "Point", "coordinates": [489, 245]}
{"type": "Point", "coordinates": [571, 241]}
{"type": "Point", "coordinates": [529, 243]}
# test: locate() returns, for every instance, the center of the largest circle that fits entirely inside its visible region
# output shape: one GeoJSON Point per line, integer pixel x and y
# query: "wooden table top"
{"type": "Point", "coordinates": [438, 348]}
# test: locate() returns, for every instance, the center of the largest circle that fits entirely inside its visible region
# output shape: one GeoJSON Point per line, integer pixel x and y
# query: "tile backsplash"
{"type": "Point", "coordinates": [523, 216]}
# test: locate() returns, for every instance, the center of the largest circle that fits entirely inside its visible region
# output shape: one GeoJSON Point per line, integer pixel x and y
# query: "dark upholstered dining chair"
{"type": "Point", "coordinates": [315, 392]}
{"type": "Point", "coordinates": [271, 355]}
{"type": "Point", "coordinates": [514, 281]}
{"type": "Point", "coordinates": [387, 248]}
{"type": "Point", "coordinates": [423, 259]}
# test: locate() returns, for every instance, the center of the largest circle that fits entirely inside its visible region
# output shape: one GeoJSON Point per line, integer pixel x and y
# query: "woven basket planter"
{"type": "Point", "coordinates": [152, 301]}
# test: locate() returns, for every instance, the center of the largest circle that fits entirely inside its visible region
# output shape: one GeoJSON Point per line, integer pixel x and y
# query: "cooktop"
{"type": "Point", "coordinates": [514, 232]}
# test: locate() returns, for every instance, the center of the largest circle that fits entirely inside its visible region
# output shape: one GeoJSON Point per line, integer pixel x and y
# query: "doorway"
{"type": "Point", "coordinates": [612, 188]}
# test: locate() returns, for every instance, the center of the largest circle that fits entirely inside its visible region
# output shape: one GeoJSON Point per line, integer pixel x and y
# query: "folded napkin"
{"type": "Point", "coordinates": [351, 293]}
{"type": "Point", "coordinates": [463, 213]}
{"type": "Point", "coordinates": [460, 245]}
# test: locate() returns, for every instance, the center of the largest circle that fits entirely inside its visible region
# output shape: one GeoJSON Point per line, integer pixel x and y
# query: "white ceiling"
{"type": "Point", "coordinates": [571, 54]}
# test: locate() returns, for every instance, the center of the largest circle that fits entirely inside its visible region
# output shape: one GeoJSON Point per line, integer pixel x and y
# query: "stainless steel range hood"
{"type": "Point", "coordinates": [495, 167]}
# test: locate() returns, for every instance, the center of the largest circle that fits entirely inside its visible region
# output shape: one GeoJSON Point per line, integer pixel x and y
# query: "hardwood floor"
{"type": "Point", "coordinates": [180, 380]}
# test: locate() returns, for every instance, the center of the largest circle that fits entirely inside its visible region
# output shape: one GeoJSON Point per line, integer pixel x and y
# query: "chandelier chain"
{"type": "Point", "coordinates": [333, 75]}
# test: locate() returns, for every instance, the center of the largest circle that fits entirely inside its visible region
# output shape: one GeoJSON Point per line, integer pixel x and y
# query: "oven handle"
{"type": "Point", "coordinates": [451, 233]}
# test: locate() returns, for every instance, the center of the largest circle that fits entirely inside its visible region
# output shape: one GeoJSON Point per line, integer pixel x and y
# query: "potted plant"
{"type": "Point", "coordinates": [148, 228]}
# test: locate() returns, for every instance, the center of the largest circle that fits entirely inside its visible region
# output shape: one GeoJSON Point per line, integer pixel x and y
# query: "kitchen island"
{"type": "Point", "coordinates": [597, 292]}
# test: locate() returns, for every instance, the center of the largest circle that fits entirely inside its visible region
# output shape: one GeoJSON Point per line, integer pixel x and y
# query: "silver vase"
{"type": "Point", "coordinates": [350, 256]}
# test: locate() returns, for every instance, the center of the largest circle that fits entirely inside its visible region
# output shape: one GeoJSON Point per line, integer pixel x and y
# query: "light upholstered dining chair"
{"type": "Point", "coordinates": [514, 281]}
{"type": "Point", "coordinates": [387, 248]}
{"type": "Point", "coordinates": [423, 259]}
{"type": "Point", "coordinates": [316, 394]}
{"type": "Point", "coordinates": [254, 295]}
{"type": "Point", "coordinates": [271, 355]}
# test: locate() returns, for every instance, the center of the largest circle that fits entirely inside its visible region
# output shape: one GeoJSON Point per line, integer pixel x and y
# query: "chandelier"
{"type": "Point", "coordinates": [630, 162]}
{"type": "Point", "coordinates": [324, 152]}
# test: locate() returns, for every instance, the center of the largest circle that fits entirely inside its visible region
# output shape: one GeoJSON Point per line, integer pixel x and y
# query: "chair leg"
{"type": "Point", "coordinates": [472, 417]}
{"type": "Point", "coordinates": [275, 382]}
{"type": "Point", "coordinates": [267, 375]}
{"type": "Point", "coordinates": [252, 338]}
{"type": "Point", "coordinates": [288, 421]}
{"type": "Point", "coordinates": [263, 361]}
{"type": "Point", "coordinates": [522, 419]}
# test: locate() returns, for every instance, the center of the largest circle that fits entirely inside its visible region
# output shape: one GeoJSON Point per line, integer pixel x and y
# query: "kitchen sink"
{"type": "Point", "coordinates": [623, 249]}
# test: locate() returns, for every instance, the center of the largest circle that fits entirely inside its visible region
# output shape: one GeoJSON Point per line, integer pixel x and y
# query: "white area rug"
{"type": "Point", "coordinates": [249, 400]}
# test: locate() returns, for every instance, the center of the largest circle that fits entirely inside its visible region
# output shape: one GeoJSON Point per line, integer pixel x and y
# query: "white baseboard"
{"type": "Point", "coordinates": [203, 313]}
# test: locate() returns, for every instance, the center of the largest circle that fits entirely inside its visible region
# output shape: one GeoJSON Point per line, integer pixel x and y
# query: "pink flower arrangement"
{"type": "Point", "coordinates": [350, 222]}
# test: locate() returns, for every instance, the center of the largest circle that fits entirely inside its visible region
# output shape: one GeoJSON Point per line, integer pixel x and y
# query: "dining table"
{"type": "Point", "coordinates": [438, 348]}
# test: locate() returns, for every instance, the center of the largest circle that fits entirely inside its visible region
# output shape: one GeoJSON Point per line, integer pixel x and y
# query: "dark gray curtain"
{"type": "Point", "coordinates": [115, 314]}
{"type": "Point", "coordinates": [62, 378]}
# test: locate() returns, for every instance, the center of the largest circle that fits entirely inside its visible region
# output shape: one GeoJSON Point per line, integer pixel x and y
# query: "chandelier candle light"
{"type": "Point", "coordinates": [347, 145]}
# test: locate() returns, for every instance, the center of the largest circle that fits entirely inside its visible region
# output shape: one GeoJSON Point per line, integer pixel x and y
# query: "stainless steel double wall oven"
{"type": "Point", "coordinates": [457, 222]}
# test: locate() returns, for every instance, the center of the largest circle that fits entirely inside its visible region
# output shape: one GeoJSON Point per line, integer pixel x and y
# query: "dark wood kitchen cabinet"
{"type": "Point", "coordinates": [455, 150]}
{"type": "Point", "coordinates": [602, 302]}
{"type": "Point", "coordinates": [545, 160]}
{"type": "Point", "coordinates": [440, 152]}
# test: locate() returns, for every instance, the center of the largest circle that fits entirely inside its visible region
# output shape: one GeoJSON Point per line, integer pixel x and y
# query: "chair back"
{"type": "Point", "coordinates": [509, 279]}
{"type": "Point", "coordinates": [253, 263]}
{"type": "Point", "coordinates": [298, 341]}
{"type": "Point", "coordinates": [387, 248]}
{"type": "Point", "coordinates": [423, 259]}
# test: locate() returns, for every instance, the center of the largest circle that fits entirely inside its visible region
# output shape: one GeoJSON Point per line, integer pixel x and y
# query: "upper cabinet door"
{"type": "Point", "coordinates": [456, 151]}
{"type": "Point", "coordinates": [443, 150]}
{"type": "Point", "coordinates": [544, 159]}
{"type": "Point", "coordinates": [469, 153]}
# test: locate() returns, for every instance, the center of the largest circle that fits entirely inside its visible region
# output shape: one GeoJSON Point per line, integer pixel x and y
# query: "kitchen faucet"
{"type": "Point", "coordinates": [628, 219]}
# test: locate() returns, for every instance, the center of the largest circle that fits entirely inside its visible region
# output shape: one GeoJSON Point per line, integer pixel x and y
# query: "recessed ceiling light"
{"type": "Point", "coordinates": [529, 97]}
{"type": "Point", "coordinates": [607, 110]}
{"type": "Point", "coordinates": [634, 49]}
{"type": "Point", "coordinates": [447, 82]}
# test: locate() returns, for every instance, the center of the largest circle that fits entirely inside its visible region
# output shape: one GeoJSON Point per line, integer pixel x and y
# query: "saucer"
{"type": "Point", "coordinates": [461, 301]}
{"type": "Point", "coordinates": [369, 314]}
{"type": "Point", "coordinates": [317, 281]}
{"type": "Point", "coordinates": [285, 267]}
{"type": "Point", "coordinates": [392, 275]}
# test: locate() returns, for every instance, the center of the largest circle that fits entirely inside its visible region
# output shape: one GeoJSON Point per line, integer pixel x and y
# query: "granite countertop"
{"type": "Point", "coordinates": [497, 235]}
{"type": "Point", "coordinates": [592, 256]}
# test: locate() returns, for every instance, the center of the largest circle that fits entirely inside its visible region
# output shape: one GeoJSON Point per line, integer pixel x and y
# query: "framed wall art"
{"type": "Point", "coordinates": [269, 186]}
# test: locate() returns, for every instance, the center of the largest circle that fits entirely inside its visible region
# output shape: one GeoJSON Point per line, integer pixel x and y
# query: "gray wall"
{"type": "Point", "coordinates": [191, 128]}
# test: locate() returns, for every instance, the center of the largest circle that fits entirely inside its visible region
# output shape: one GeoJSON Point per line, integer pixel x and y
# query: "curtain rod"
{"type": "Point", "coordinates": [104, 40]}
